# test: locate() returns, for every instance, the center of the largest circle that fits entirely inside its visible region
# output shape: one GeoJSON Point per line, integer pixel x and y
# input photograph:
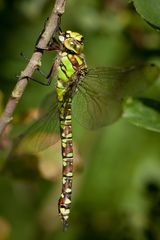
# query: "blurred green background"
{"type": "Point", "coordinates": [117, 180]}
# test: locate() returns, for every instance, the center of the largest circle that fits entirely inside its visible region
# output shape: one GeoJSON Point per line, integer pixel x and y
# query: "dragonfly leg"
{"type": "Point", "coordinates": [58, 29]}
{"type": "Point", "coordinates": [53, 46]}
{"type": "Point", "coordinates": [37, 81]}
{"type": "Point", "coordinates": [38, 69]}
{"type": "Point", "coordinates": [49, 76]}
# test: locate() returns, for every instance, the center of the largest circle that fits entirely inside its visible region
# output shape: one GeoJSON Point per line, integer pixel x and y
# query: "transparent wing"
{"type": "Point", "coordinates": [98, 99]}
{"type": "Point", "coordinates": [45, 131]}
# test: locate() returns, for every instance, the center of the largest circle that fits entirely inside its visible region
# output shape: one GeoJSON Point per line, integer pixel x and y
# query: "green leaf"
{"type": "Point", "coordinates": [141, 115]}
{"type": "Point", "coordinates": [149, 10]}
{"type": "Point", "coordinates": [151, 103]}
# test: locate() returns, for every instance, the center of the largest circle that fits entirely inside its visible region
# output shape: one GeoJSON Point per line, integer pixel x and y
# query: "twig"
{"type": "Point", "coordinates": [49, 31]}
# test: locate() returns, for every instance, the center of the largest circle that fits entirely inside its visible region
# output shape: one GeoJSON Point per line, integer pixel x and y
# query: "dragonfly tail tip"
{"type": "Point", "coordinates": [65, 225]}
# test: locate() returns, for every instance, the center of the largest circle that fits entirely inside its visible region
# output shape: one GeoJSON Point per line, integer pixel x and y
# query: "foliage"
{"type": "Point", "coordinates": [141, 115]}
{"type": "Point", "coordinates": [149, 11]}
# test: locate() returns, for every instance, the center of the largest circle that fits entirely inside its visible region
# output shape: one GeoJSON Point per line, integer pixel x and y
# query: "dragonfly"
{"type": "Point", "coordinates": [93, 96]}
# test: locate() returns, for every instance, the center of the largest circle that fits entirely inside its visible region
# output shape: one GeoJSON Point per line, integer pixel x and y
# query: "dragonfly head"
{"type": "Point", "coordinates": [72, 41]}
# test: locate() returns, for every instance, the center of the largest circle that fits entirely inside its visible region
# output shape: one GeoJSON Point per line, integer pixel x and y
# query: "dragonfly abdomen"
{"type": "Point", "coordinates": [64, 203]}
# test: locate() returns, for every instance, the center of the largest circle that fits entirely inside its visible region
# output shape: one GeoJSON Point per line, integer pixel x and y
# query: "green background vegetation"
{"type": "Point", "coordinates": [117, 179]}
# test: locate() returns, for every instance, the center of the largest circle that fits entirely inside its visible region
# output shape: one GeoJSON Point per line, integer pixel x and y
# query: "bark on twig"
{"type": "Point", "coordinates": [34, 62]}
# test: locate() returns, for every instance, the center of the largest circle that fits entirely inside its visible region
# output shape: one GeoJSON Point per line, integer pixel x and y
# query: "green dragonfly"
{"type": "Point", "coordinates": [94, 95]}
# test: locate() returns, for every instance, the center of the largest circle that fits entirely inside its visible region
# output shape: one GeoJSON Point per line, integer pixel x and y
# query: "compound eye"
{"type": "Point", "coordinates": [78, 47]}
{"type": "Point", "coordinates": [72, 43]}
{"type": "Point", "coordinates": [74, 46]}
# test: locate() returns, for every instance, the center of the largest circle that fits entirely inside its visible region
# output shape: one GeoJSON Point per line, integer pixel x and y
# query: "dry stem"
{"type": "Point", "coordinates": [49, 31]}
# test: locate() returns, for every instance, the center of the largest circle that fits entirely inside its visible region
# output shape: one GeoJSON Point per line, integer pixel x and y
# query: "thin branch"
{"type": "Point", "coordinates": [49, 31]}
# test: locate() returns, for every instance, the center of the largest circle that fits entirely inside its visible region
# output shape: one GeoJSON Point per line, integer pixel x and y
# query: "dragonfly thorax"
{"type": "Point", "coordinates": [72, 41]}
{"type": "Point", "coordinates": [72, 66]}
